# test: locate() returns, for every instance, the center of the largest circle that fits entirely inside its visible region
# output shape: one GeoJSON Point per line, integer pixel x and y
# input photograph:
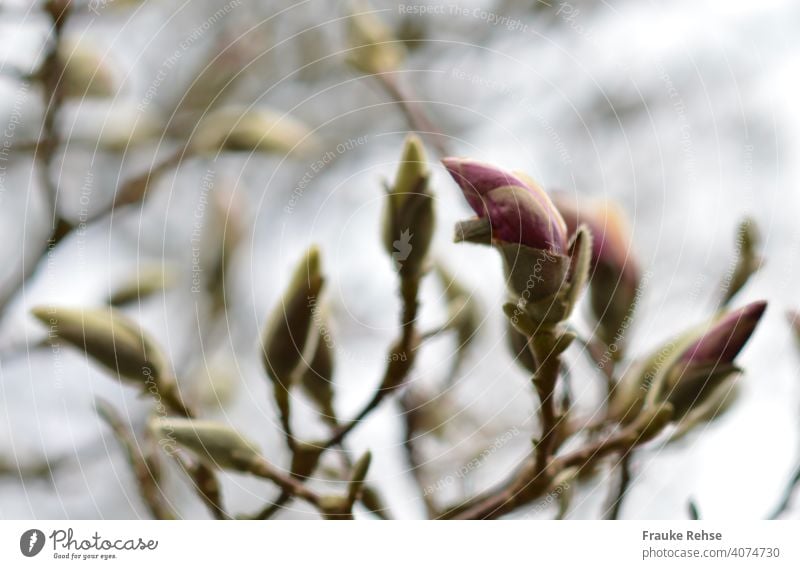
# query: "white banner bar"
{"type": "Point", "coordinates": [401, 545]}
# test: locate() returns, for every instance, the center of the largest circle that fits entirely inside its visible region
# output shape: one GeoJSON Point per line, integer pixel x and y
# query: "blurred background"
{"type": "Point", "coordinates": [684, 112]}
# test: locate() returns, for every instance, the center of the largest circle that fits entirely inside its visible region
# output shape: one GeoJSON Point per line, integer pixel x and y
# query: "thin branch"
{"type": "Point", "coordinates": [413, 457]}
{"type": "Point", "coordinates": [788, 493]}
{"type": "Point", "coordinates": [287, 483]}
{"type": "Point", "coordinates": [530, 482]}
{"type": "Point", "coordinates": [618, 493]}
{"type": "Point", "coordinates": [144, 464]}
{"type": "Point", "coordinates": [414, 112]}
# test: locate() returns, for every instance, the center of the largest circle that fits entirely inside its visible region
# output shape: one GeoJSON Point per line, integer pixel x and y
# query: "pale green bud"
{"type": "Point", "coordinates": [217, 443]}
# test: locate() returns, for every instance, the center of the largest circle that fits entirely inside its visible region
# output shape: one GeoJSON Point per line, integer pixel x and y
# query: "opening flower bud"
{"type": "Point", "coordinates": [519, 211]}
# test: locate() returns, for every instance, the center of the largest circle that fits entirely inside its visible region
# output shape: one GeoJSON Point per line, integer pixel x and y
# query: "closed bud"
{"type": "Point", "coordinates": [726, 337]}
{"type": "Point", "coordinates": [288, 331]}
{"type": "Point", "coordinates": [335, 508]}
{"type": "Point", "coordinates": [217, 443]}
{"type": "Point", "coordinates": [689, 368]}
{"type": "Point", "coordinates": [748, 260]}
{"type": "Point", "coordinates": [146, 282]}
{"type": "Point", "coordinates": [358, 477]}
{"type": "Point", "coordinates": [651, 422]}
{"type": "Point", "coordinates": [251, 130]}
{"type": "Point", "coordinates": [373, 49]}
{"type": "Point", "coordinates": [287, 334]}
{"type": "Point", "coordinates": [112, 340]}
{"type": "Point", "coordinates": [615, 274]}
{"type": "Point", "coordinates": [116, 126]}
{"type": "Point", "coordinates": [409, 219]}
{"type": "Point", "coordinates": [86, 73]}
{"type": "Point", "coordinates": [709, 359]}
{"type": "Point", "coordinates": [720, 398]}
{"type": "Point", "coordinates": [373, 502]}
{"type": "Point", "coordinates": [317, 376]}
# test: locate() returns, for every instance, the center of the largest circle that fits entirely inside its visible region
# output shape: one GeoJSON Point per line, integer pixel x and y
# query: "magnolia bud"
{"type": "Point", "coordinates": [409, 219]}
{"type": "Point", "coordinates": [215, 442]}
{"type": "Point", "coordinates": [287, 334]}
{"type": "Point", "coordinates": [720, 398]}
{"type": "Point", "coordinates": [335, 508]}
{"type": "Point", "coordinates": [519, 211]}
{"type": "Point", "coordinates": [687, 369]}
{"type": "Point", "coordinates": [358, 477]}
{"type": "Point", "coordinates": [373, 48]}
{"type": "Point", "coordinates": [545, 271]}
{"type": "Point", "coordinates": [111, 339]}
{"type": "Point", "coordinates": [614, 272]}
{"type": "Point", "coordinates": [748, 261]}
{"type": "Point", "coordinates": [85, 70]}
{"type": "Point", "coordinates": [709, 359]}
{"type": "Point", "coordinates": [146, 282]}
{"type": "Point", "coordinates": [317, 377]}
{"type": "Point", "coordinates": [723, 341]}
{"type": "Point", "coordinates": [116, 126]}
{"type": "Point", "coordinates": [251, 130]}
{"type": "Point", "coordinates": [652, 420]}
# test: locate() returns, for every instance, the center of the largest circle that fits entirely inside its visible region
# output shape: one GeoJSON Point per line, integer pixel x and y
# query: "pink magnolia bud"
{"type": "Point", "coordinates": [518, 210]}
{"type": "Point", "coordinates": [610, 235]}
{"type": "Point", "coordinates": [615, 274]}
{"type": "Point", "coordinates": [726, 338]}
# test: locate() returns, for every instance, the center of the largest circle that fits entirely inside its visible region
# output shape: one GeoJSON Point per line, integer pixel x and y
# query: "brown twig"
{"type": "Point", "coordinates": [50, 75]}
{"type": "Point", "coordinates": [786, 497]}
{"type": "Point", "coordinates": [529, 482]}
{"type": "Point", "coordinates": [143, 462]}
{"type": "Point", "coordinates": [289, 484]}
{"type": "Point", "coordinates": [548, 362]}
{"type": "Point", "coordinates": [620, 490]}
{"type": "Point", "coordinates": [401, 358]}
{"type": "Point", "coordinates": [411, 427]}
{"type": "Point", "coordinates": [414, 112]}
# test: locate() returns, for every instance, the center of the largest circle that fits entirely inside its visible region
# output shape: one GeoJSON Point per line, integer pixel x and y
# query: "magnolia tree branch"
{"type": "Point", "coordinates": [143, 462]}
{"type": "Point", "coordinates": [531, 483]}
